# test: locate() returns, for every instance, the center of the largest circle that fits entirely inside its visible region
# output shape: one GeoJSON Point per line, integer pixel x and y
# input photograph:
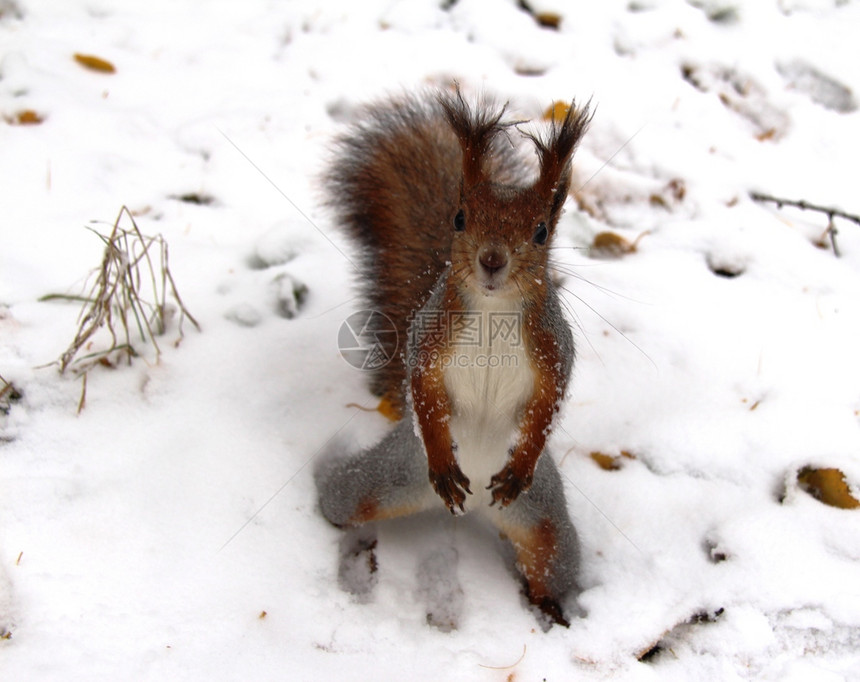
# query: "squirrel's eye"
{"type": "Point", "coordinates": [460, 221]}
{"type": "Point", "coordinates": [541, 234]}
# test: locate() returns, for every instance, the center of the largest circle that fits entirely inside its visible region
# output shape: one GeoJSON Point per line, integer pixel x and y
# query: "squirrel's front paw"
{"type": "Point", "coordinates": [452, 485]}
{"type": "Point", "coordinates": [508, 484]}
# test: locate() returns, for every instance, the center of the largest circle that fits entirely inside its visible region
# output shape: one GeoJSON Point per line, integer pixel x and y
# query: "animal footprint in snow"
{"type": "Point", "coordinates": [440, 589]}
{"type": "Point", "coordinates": [356, 572]}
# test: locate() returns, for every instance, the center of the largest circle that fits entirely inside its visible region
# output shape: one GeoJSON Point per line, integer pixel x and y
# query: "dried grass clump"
{"type": "Point", "coordinates": [129, 298]}
{"type": "Point", "coordinates": [8, 395]}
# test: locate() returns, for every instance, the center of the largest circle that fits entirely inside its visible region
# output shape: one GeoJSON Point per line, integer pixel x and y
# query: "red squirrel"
{"type": "Point", "coordinates": [455, 238]}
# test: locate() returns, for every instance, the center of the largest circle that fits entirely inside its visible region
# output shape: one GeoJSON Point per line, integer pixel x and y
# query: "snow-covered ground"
{"type": "Point", "coordinates": [169, 530]}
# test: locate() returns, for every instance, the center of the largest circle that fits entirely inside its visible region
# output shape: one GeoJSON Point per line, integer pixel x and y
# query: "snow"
{"type": "Point", "coordinates": [170, 531]}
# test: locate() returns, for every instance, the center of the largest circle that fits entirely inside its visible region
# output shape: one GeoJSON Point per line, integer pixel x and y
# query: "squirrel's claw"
{"type": "Point", "coordinates": [452, 486]}
{"type": "Point", "coordinates": [507, 485]}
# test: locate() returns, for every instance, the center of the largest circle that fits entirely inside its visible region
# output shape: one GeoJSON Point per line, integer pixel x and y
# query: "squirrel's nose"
{"type": "Point", "coordinates": [492, 259]}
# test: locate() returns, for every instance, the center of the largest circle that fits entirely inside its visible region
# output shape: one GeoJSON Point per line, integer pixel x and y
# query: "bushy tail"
{"type": "Point", "coordinates": [394, 186]}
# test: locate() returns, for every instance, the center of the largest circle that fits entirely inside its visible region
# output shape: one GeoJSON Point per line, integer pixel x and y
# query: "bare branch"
{"type": "Point", "coordinates": [831, 213]}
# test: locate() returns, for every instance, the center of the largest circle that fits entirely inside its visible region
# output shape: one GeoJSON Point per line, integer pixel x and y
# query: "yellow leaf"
{"type": "Point", "coordinates": [389, 409]}
{"type": "Point", "coordinates": [556, 111]}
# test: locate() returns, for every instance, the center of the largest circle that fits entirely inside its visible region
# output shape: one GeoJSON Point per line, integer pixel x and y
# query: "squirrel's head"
{"type": "Point", "coordinates": [502, 233]}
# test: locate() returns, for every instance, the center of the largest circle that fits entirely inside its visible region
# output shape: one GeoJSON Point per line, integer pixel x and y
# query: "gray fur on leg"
{"type": "Point", "coordinates": [392, 474]}
{"type": "Point", "coordinates": [543, 505]}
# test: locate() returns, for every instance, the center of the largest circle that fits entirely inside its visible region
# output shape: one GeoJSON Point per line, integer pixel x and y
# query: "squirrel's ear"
{"type": "Point", "coordinates": [475, 128]}
{"type": "Point", "coordinates": [555, 153]}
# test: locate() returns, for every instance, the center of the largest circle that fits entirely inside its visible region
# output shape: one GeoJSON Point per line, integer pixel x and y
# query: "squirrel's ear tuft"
{"type": "Point", "coordinates": [475, 127]}
{"type": "Point", "coordinates": [555, 152]}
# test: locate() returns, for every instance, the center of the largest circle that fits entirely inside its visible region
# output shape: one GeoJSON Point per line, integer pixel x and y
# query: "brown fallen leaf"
{"type": "Point", "coordinates": [545, 19]}
{"type": "Point", "coordinates": [611, 245]}
{"type": "Point", "coordinates": [93, 63]}
{"type": "Point", "coordinates": [27, 117]}
{"type": "Point", "coordinates": [605, 462]}
{"type": "Point", "coordinates": [548, 19]}
{"type": "Point", "coordinates": [611, 462]}
{"type": "Point", "coordinates": [828, 486]}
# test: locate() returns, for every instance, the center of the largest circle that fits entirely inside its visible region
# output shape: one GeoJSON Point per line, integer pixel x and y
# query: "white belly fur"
{"type": "Point", "coordinates": [487, 383]}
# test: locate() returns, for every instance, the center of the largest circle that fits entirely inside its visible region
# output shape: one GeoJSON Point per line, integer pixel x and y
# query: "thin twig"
{"type": "Point", "coordinates": [806, 206]}
{"type": "Point", "coordinates": [8, 392]}
{"type": "Point", "coordinates": [83, 400]}
{"type": "Point", "coordinates": [803, 205]}
{"type": "Point", "coordinates": [831, 232]}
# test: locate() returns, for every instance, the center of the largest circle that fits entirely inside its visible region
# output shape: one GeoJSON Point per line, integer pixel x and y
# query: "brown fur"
{"type": "Point", "coordinates": [535, 549]}
{"type": "Point", "coordinates": [381, 187]}
{"type": "Point", "coordinates": [404, 172]}
{"type": "Point", "coordinates": [433, 192]}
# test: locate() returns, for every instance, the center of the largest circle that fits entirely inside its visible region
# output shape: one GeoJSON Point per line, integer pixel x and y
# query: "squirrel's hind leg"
{"type": "Point", "coordinates": [545, 542]}
{"type": "Point", "coordinates": [384, 481]}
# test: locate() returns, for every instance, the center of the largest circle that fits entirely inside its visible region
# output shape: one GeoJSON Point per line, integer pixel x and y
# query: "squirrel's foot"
{"type": "Point", "coordinates": [508, 484]}
{"type": "Point", "coordinates": [548, 609]}
{"type": "Point", "coordinates": [551, 610]}
{"type": "Point", "coordinates": [452, 485]}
